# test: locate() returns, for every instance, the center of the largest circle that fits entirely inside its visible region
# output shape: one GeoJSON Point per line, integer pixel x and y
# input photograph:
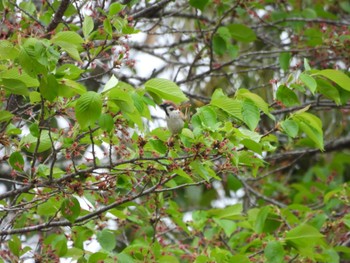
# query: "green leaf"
{"type": "Point", "coordinates": [49, 207]}
{"type": "Point", "coordinates": [88, 108]}
{"type": "Point", "coordinates": [106, 239]}
{"type": "Point", "coordinates": [88, 26]}
{"type": "Point", "coordinates": [111, 83]}
{"type": "Point", "coordinates": [338, 77]}
{"type": "Point", "coordinates": [252, 145]}
{"type": "Point", "coordinates": [115, 8]}
{"type": "Point", "coordinates": [231, 106]}
{"type": "Point", "coordinates": [309, 81]}
{"type": "Point", "coordinates": [328, 90]}
{"type": "Point", "coordinates": [208, 117]}
{"type": "Point", "coordinates": [199, 4]}
{"type": "Point", "coordinates": [16, 73]}
{"type": "Point", "coordinates": [165, 89]}
{"type": "Point", "coordinates": [286, 96]}
{"type": "Point", "coordinates": [304, 238]}
{"type": "Point", "coordinates": [15, 245]}
{"type": "Point", "coordinates": [219, 45]}
{"type": "Point", "coordinates": [106, 122]}
{"type": "Point", "coordinates": [284, 60]}
{"type": "Point", "coordinates": [69, 37]}
{"type": "Point", "coordinates": [69, 88]}
{"type": "Point", "coordinates": [306, 64]}
{"type": "Point", "coordinates": [29, 142]}
{"type": "Point", "coordinates": [229, 212]}
{"type": "Point", "coordinates": [229, 226]}
{"type": "Point", "coordinates": [70, 209]}
{"type": "Point", "coordinates": [7, 50]}
{"type": "Point", "coordinates": [80, 235]}
{"type": "Point", "coordinates": [49, 87]}
{"type": "Point", "coordinates": [5, 115]}
{"type": "Point", "coordinates": [97, 257]}
{"type": "Point", "coordinates": [70, 42]}
{"type": "Point", "coordinates": [250, 113]}
{"type": "Point", "coordinates": [242, 33]}
{"type": "Point", "coordinates": [259, 102]}
{"type": "Point", "coordinates": [274, 252]}
{"type": "Point", "coordinates": [69, 71]}
{"type": "Point", "coordinates": [261, 219]}
{"type": "Point", "coordinates": [290, 127]}
{"type": "Point", "coordinates": [107, 26]}
{"type": "Point", "coordinates": [312, 126]}
{"type": "Point", "coordinates": [15, 86]}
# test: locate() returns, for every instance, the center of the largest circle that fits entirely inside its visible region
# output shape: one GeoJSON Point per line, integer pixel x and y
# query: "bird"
{"type": "Point", "coordinates": [175, 119]}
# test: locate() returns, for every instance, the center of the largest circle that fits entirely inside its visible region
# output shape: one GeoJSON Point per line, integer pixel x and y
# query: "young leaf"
{"type": "Point", "coordinates": [88, 109]}
{"type": "Point", "coordinates": [165, 89]}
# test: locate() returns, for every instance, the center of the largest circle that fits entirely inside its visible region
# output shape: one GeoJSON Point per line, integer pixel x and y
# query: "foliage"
{"type": "Point", "coordinates": [260, 175]}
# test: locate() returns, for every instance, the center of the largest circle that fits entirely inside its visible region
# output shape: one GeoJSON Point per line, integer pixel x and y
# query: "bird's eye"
{"type": "Point", "coordinates": [171, 108]}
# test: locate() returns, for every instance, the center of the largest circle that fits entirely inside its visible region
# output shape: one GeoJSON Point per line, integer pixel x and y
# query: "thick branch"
{"type": "Point", "coordinates": [58, 15]}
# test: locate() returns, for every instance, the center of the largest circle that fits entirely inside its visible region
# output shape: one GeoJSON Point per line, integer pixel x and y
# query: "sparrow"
{"type": "Point", "coordinates": [175, 119]}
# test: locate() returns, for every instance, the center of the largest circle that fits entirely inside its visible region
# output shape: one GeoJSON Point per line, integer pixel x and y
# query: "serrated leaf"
{"type": "Point", "coordinates": [274, 252]}
{"type": "Point", "coordinates": [229, 226]}
{"type": "Point", "coordinates": [16, 161]}
{"type": "Point", "coordinates": [259, 102]}
{"type": "Point", "coordinates": [15, 86]}
{"type": "Point", "coordinates": [290, 127]}
{"type": "Point", "coordinates": [312, 126]}
{"type": "Point", "coordinates": [5, 115]}
{"type": "Point", "coordinates": [88, 109]}
{"type": "Point", "coordinates": [106, 122]}
{"type": "Point", "coordinates": [165, 89]}
{"type": "Point", "coordinates": [336, 76]}
{"type": "Point", "coordinates": [115, 8]}
{"type": "Point", "coordinates": [230, 212]}
{"type": "Point", "coordinates": [328, 90]}
{"type": "Point", "coordinates": [252, 145]}
{"type": "Point", "coordinates": [111, 83]}
{"type": "Point", "coordinates": [250, 114]}
{"type": "Point", "coordinates": [309, 82]}
{"type": "Point", "coordinates": [286, 96]}
{"type": "Point", "coordinates": [29, 142]}
{"type": "Point", "coordinates": [88, 26]}
{"type": "Point", "coordinates": [70, 209]}
{"type": "Point", "coordinates": [242, 33]}
{"type": "Point", "coordinates": [69, 37]}
{"type": "Point", "coordinates": [231, 106]}
{"type": "Point", "coordinates": [107, 26]}
{"type": "Point", "coordinates": [106, 239]}
{"type": "Point", "coordinates": [199, 4]}
{"type": "Point", "coordinates": [284, 60]}
{"type": "Point", "coordinates": [14, 245]}
{"type": "Point", "coordinates": [7, 50]}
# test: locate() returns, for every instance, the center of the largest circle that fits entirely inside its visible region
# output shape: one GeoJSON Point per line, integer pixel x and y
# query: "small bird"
{"type": "Point", "coordinates": [175, 119]}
